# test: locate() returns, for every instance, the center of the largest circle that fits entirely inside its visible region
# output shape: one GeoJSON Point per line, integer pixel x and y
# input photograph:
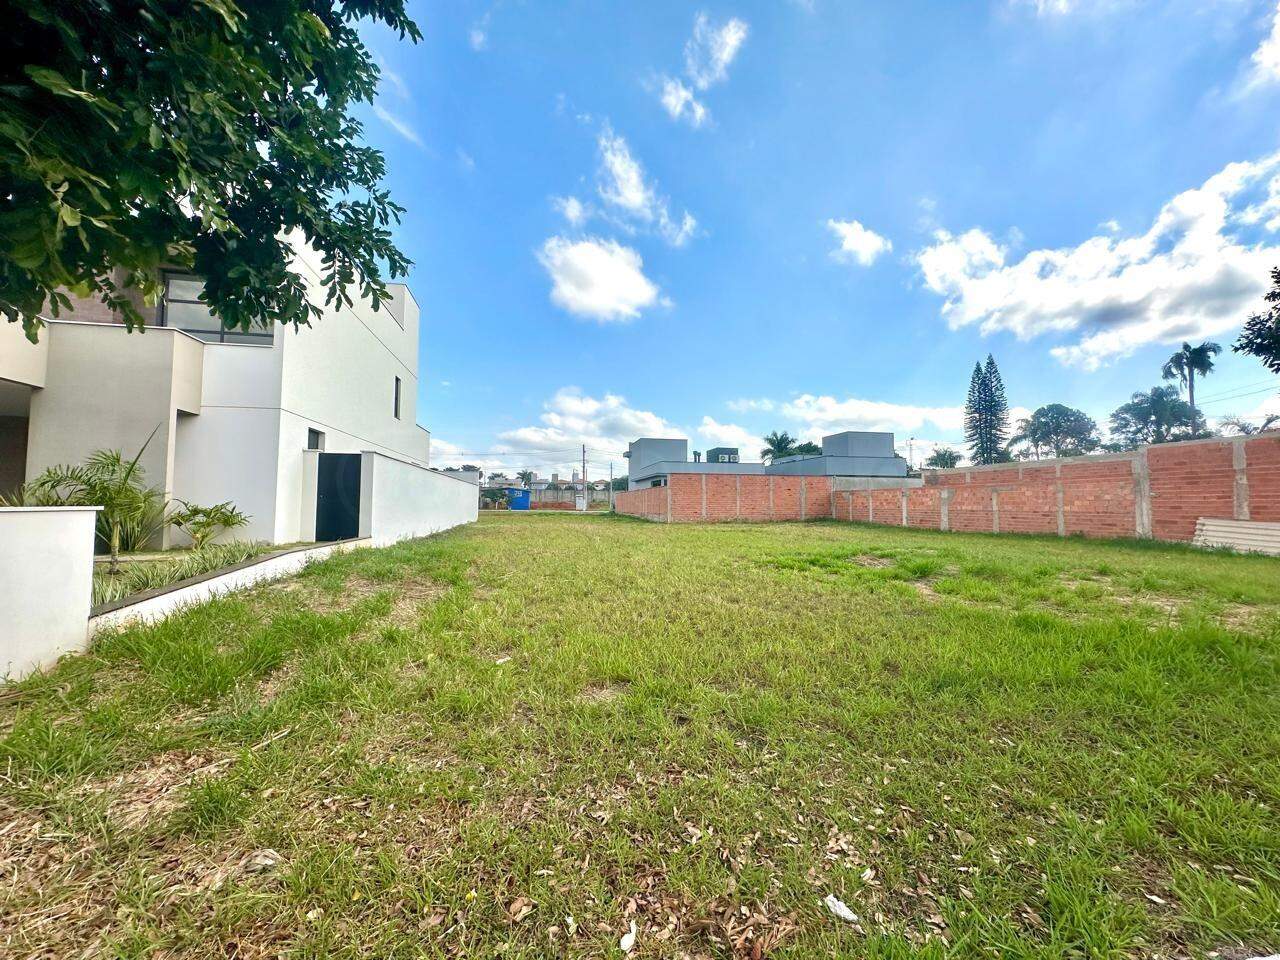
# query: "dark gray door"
{"type": "Point", "coordinates": [338, 497]}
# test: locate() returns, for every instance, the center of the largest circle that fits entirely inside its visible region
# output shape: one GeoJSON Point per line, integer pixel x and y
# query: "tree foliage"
{"type": "Point", "coordinates": [1184, 365]}
{"type": "Point", "coordinates": [202, 524]}
{"type": "Point", "coordinates": [1261, 334]}
{"type": "Point", "coordinates": [943, 458]}
{"type": "Point", "coordinates": [986, 414]}
{"type": "Point", "coordinates": [201, 135]}
{"type": "Point", "coordinates": [1157, 416]}
{"type": "Point", "coordinates": [130, 509]}
{"type": "Point", "coordinates": [778, 445]}
{"type": "Point", "coordinates": [807, 449]}
{"type": "Point", "coordinates": [1058, 430]}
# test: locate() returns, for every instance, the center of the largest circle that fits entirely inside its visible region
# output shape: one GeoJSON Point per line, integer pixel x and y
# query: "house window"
{"type": "Point", "coordinates": [396, 409]}
{"type": "Point", "coordinates": [315, 439]}
{"type": "Point", "coordinates": [182, 310]}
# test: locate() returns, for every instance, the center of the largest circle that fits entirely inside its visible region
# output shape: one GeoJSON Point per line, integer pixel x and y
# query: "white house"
{"type": "Point", "coordinates": [255, 418]}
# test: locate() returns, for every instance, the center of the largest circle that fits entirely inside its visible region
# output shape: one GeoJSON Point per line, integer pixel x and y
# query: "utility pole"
{"type": "Point", "coordinates": [611, 486]}
{"type": "Point", "coordinates": [585, 504]}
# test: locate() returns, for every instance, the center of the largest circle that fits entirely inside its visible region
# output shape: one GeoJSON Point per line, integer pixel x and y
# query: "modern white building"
{"type": "Point", "coordinates": [255, 418]}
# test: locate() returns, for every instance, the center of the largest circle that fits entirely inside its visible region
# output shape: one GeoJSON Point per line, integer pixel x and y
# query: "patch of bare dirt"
{"type": "Point", "coordinates": [601, 692]}
{"type": "Point", "coordinates": [926, 591]}
{"type": "Point", "coordinates": [155, 789]}
{"type": "Point", "coordinates": [409, 596]}
{"type": "Point", "coordinates": [866, 560]}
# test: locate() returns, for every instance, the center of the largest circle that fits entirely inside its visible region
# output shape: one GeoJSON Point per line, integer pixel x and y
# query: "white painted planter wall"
{"type": "Point", "coordinates": [46, 585]}
{"type": "Point", "coordinates": [165, 604]}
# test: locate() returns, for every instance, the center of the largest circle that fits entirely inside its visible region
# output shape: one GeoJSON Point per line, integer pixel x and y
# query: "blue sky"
{"type": "Point", "coordinates": [717, 220]}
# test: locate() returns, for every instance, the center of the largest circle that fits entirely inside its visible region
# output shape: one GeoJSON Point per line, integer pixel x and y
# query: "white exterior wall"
{"type": "Point", "coordinates": [46, 584]}
{"type": "Point", "coordinates": [399, 500]}
{"type": "Point", "coordinates": [231, 450]}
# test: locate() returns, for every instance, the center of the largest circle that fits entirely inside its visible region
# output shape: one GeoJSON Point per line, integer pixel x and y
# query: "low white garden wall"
{"type": "Point", "coordinates": [46, 585]}
{"type": "Point", "coordinates": [153, 605]}
{"type": "Point", "coordinates": [399, 500]}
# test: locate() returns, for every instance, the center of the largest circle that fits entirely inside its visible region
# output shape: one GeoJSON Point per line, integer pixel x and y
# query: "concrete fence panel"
{"type": "Point", "coordinates": [46, 585]}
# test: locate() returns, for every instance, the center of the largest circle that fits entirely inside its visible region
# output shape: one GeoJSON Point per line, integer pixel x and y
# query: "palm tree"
{"type": "Point", "coordinates": [943, 458]}
{"type": "Point", "coordinates": [777, 446]}
{"type": "Point", "coordinates": [108, 481]}
{"type": "Point", "coordinates": [1183, 367]}
{"type": "Point", "coordinates": [1245, 428]}
{"type": "Point", "coordinates": [527, 477]}
{"type": "Point", "coordinates": [1157, 416]}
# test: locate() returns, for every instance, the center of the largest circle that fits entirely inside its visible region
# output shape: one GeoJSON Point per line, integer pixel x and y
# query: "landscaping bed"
{"type": "Point", "coordinates": [152, 572]}
{"type": "Point", "coordinates": [563, 735]}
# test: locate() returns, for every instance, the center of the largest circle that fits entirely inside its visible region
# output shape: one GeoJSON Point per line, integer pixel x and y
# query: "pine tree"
{"type": "Point", "coordinates": [973, 422]}
{"type": "Point", "coordinates": [986, 414]}
{"type": "Point", "coordinates": [997, 410]}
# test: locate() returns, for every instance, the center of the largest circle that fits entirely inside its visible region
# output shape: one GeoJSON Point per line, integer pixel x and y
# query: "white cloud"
{"type": "Point", "coordinates": [395, 123]}
{"type": "Point", "coordinates": [1060, 8]}
{"type": "Point", "coordinates": [821, 415]}
{"type": "Point", "coordinates": [478, 35]}
{"type": "Point", "coordinates": [466, 161]}
{"type": "Point", "coordinates": [712, 48]}
{"type": "Point", "coordinates": [571, 418]}
{"type": "Point", "coordinates": [395, 80]}
{"type": "Point", "coordinates": [622, 181]}
{"type": "Point", "coordinates": [622, 184]}
{"type": "Point", "coordinates": [731, 435]}
{"type": "Point", "coordinates": [708, 55]}
{"type": "Point", "coordinates": [597, 278]}
{"type": "Point", "coordinates": [857, 243]}
{"type": "Point", "coordinates": [572, 209]}
{"type": "Point", "coordinates": [1192, 274]}
{"type": "Point", "coordinates": [679, 102]}
{"type": "Point", "coordinates": [1266, 59]}
{"type": "Point", "coordinates": [750, 405]}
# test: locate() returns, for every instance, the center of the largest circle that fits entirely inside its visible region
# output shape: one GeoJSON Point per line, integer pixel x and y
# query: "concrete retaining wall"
{"type": "Point", "coordinates": [46, 585]}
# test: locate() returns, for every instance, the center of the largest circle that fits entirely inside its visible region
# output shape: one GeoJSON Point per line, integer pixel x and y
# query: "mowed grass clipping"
{"type": "Point", "coordinates": [540, 734]}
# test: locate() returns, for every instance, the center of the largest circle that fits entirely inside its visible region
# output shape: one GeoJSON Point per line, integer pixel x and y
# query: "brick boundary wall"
{"type": "Point", "coordinates": [1158, 491]}
{"type": "Point", "coordinates": [720, 497]}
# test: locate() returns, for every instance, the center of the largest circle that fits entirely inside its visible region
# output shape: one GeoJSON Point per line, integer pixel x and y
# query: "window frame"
{"type": "Point", "coordinates": [257, 335]}
{"type": "Point", "coordinates": [395, 402]}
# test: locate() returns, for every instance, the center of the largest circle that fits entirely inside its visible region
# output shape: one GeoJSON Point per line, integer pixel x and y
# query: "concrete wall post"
{"type": "Point", "coordinates": [1141, 494]}
{"type": "Point", "coordinates": [1240, 490]}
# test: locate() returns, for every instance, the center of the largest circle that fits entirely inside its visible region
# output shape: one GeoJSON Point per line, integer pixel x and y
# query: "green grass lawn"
{"type": "Point", "coordinates": [524, 737]}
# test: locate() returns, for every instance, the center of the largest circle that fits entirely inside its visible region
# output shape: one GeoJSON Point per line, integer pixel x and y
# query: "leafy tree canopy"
{"type": "Point", "coordinates": [778, 445]}
{"type": "Point", "coordinates": [199, 135]}
{"type": "Point", "coordinates": [1058, 430]}
{"type": "Point", "coordinates": [1261, 335]}
{"type": "Point", "coordinates": [1157, 416]}
{"type": "Point", "coordinates": [944, 458]}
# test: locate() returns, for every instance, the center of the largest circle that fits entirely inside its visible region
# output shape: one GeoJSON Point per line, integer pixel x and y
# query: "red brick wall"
{"type": "Point", "coordinates": [1100, 496]}
{"type": "Point", "coordinates": [1189, 480]}
{"type": "Point", "coordinates": [720, 496]}
{"type": "Point", "coordinates": [649, 502]}
{"type": "Point", "coordinates": [1262, 471]}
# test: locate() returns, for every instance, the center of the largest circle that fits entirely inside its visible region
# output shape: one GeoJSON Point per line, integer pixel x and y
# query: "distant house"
{"type": "Point", "coordinates": [651, 461]}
